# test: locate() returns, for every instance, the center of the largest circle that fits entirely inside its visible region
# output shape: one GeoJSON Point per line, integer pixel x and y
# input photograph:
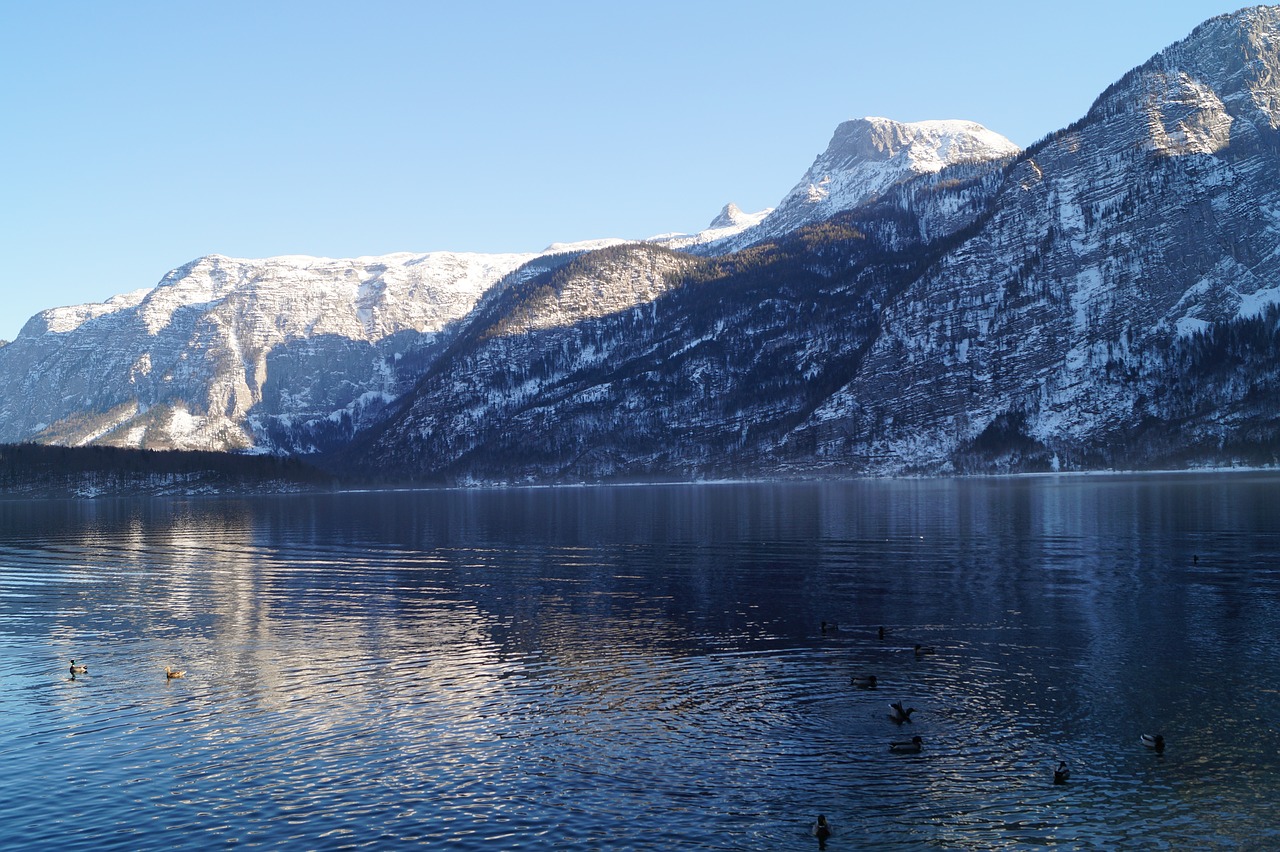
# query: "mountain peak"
{"type": "Point", "coordinates": [731, 216]}
{"type": "Point", "coordinates": [867, 156]}
{"type": "Point", "coordinates": [1217, 88]}
{"type": "Point", "coordinates": [915, 147]}
{"type": "Point", "coordinates": [731, 221]}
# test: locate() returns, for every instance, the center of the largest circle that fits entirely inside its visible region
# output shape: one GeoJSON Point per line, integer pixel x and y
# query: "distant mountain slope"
{"type": "Point", "coordinates": [224, 351]}
{"type": "Point", "coordinates": [296, 354]}
{"type": "Point", "coordinates": [724, 228]}
{"type": "Point", "coordinates": [712, 361]}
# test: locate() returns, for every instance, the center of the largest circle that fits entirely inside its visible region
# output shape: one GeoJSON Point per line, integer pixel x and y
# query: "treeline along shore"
{"type": "Point", "coordinates": [38, 470]}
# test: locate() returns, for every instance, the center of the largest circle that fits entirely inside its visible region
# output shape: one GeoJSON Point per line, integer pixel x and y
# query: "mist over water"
{"type": "Point", "coordinates": [644, 666]}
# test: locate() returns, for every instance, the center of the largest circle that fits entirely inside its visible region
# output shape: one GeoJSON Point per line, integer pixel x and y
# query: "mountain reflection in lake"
{"type": "Point", "coordinates": [644, 667]}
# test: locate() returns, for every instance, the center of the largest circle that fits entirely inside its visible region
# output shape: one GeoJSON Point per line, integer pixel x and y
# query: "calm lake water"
{"type": "Point", "coordinates": [644, 667]}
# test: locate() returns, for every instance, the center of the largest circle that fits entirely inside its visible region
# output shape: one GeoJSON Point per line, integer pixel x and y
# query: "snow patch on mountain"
{"type": "Point", "coordinates": [65, 319]}
{"type": "Point", "coordinates": [585, 245]}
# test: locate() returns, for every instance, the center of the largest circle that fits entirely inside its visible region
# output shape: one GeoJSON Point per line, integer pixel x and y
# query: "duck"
{"type": "Point", "coordinates": [1155, 741]}
{"type": "Point", "coordinates": [924, 650]}
{"type": "Point", "coordinates": [821, 829]}
{"type": "Point", "coordinates": [78, 669]}
{"type": "Point", "coordinates": [912, 747]}
{"type": "Point", "coordinates": [900, 714]}
{"type": "Point", "coordinates": [1062, 773]}
{"type": "Point", "coordinates": [830, 627]}
{"type": "Point", "coordinates": [172, 673]}
{"type": "Point", "coordinates": [883, 632]}
{"type": "Point", "coordinates": [863, 681]}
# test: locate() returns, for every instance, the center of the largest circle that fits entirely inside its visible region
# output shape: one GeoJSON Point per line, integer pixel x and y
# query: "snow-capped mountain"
{"type": "Point", "coordinates": [928, 298]}
{"type": "Point", "coordinates": [867, 156]}
{"type": "Point", "coordinates": [223, 353]}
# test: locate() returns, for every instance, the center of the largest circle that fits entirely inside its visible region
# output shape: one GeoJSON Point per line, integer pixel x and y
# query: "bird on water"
{"type": "Point", "coordinates": [172, 673]}
{"type": "Point", "coordinates": [1062, 773]}
{"type": "Point", "coordinates": [821, 830]}
{"type": "Point", "coordinates": [912, 747]}
{"type": "Point", "coordinates": [75, 670]}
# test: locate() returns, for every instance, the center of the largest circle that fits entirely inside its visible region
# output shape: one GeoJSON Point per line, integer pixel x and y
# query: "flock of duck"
{"type": "Point", "coordinates": [169, 671]}
{"type": "Point", "coordinates": [899, 714]}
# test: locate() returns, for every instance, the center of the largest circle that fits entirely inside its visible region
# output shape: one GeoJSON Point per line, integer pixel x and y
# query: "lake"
{"type": "Point", "coordinates": [644, 667]}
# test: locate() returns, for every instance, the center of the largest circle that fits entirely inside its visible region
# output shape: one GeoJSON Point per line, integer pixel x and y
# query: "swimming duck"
{"type": "Point", "coordinates": [1062, 773]}
{"type": "Point", "coordinates": [1155, 741]}
{"type": "Point", "coordinates": [829, 627]}
{"type": "Point", "coordinates": [172, 673]}
{"type": "Point", "coordinates": [821, 829]}
{"type": "Point", "coordinates": [900, 714]}
{"type": "Point", "coordinates": [924, 650]}
{"type": "Point", "coordinates": [883, 632]}
{"type": "Point", "coordinates": [78, 669]}
{"type": "Point", "coordinates": [863, 681]}
{"type": "Point", "coordinates": [912, 747]}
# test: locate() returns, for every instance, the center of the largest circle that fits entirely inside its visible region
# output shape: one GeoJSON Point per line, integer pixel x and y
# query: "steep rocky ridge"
{"type": "Point", "coordinates": [728, 224]}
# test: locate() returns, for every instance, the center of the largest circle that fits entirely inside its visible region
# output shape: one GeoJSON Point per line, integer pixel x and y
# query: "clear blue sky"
{"type": "Point", "coordinates": [138, 136]}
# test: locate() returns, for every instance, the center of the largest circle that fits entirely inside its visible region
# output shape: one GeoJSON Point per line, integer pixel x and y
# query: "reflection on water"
{"type": "Point", "coordinates": [644, 666]}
